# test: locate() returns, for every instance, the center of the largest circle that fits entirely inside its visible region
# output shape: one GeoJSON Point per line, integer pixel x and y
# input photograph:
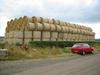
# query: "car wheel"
{"type": "Point", "coordinates": [83, 53]}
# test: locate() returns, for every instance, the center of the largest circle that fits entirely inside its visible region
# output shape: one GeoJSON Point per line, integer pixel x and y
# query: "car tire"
{"type": "Point", "coordinates": [83, 53]}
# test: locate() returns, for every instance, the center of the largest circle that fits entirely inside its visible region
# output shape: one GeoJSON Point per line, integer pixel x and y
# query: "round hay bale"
{"type": "Point", "coordinates": [24, 23]}
{"type": "Point", "coordinates": [61, 22]}
{"type": "Point", "coordinates": [29, 19]}
{"type": "Point", "coordinates": [77, 26]}
{"type": "Point", "coordinates": [44, 20]}
{"type": "Point", "coordinates": [66, 24]}
{"type": "Point", "coordinates": [75, 31]}
{"type": "Point", "coordinates": [73, 25]}
{"type": "Point", "coordinates": [89, 29]}
{"type": "Point", "coordinates": [36, 19]}
{"type": "Point", "coordinates": [79, 31]}
{"type": "Point", "coordinates": [12, 25]}
{"type": "Point", "coordinates": [50, 21]}
{"type": "Point", "coordinates": [56, 22]}
{"type": "Point", "coordinates": [53, 27]}
{"type": "Point", "coordinates": [39, 26]}
{"type": "Point", "coordinates": [46, 27]}
{"type": "Point", "coordinates": [31, 26]}
{"type": "Point", "coordinates": [63, 29]}
{"type": "Point", "coordinates": [70, 30]}
{"type": "Point", "coordinates": [19, 24]}
{"type": "Point", "coordinates": [67, 29]}
{"type": "Point", "coordinates": [25, 20]}
{"type": "Point", "coordinates": [58, 28]}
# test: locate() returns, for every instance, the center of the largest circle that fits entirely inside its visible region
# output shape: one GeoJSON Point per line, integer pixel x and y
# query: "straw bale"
{"type": "Point", "coordinates": [31, 26]}
{"type": "Point", "coordinates": [44, 20]}
{"type": "Point", "coordinates": [54, 34]}
{"type": "Point", "coordinates": [39, 26]}
{"type": "Point", "coordinates": [53, 27]}
{"type": "Point", "coordinates": [58, 28]}
{"type": "Point", "coordinates": [28, 34]}
{"type": "Point", "coordinates": [47, 27]}
{"type": "Point", "coordinates": [36, 19]}
{"type": "Point", "coordinates": [56, 22]}
{"type": "Point", "coordinates": [46, 35]}
{"type": "Point", "coordinates": [37, 34]}
{"type": "Point", "coordinates": [50, 21]}
{"type": "Point", "coordinates": [63, 28]}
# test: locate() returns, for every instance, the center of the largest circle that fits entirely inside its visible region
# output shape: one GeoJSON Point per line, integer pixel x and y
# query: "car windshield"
{"type": "Point", "coordinates": [81, 45]}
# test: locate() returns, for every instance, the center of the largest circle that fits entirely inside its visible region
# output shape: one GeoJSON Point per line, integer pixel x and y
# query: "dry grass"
{"type": "Point", "coordinates": [97, 47]}
{"type": "Point", "coordinates": [15, 52]}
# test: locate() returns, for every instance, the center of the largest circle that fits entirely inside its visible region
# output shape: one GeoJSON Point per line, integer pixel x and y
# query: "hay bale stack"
{"type": "Point", "coordinates": [38, 29]}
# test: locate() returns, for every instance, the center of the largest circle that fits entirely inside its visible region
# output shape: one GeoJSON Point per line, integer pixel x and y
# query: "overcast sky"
{"type": "Point", "coordinates": [84, 12]}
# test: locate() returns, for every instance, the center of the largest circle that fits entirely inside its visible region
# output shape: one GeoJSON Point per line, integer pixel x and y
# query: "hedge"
{"type": "Point", "coordinates": [59, 43]}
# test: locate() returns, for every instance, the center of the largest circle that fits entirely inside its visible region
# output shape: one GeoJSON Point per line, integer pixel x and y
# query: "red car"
{"type": "Point", "coordinates": [82, 48]}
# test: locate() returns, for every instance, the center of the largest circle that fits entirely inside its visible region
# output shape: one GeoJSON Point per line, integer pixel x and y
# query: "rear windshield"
{"type": "Point", "coordinates": [81, 45]}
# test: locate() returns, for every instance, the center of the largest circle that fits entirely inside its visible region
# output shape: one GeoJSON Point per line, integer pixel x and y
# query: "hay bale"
{"type": "Point", "coordinates": [39, 26]}
{"type": "Point", "coordinates": [45, 20]}
{"type": "Point", "coordinates": [32, 26]}
{"type": "Point", "coordinates": [46, 26]}
{"type": "Point", "coordinates": [66, 29]}
{"type": "Point", "coordinates": [60, 36]}
{"type": "Point", "coordinates": [45, 35]}
{"type": "Point", "coordinates": [53, 27]}
{"type": "Point", "coordinates": [18, 34]}
{"type": "Point", "coordinates": [50, 21]}
{"type": "Point", "coordinates": [28, 34]}
{"type": "Point", "coordinates": [63, 28]}
{"type": "Point", "coordinates": [65, 36]}
{"type": "Point", "coordinates": [29, 19]}
{"type": "Point", "coordinates": [61, 22]}
{"type": "Point", "coordinates": [25, 22]}
{"type": "Point", "coordinates": [54, 36]}
{"type": "Point", "coordinates": [37, 35]}
{"type": "Point", "coordinates": [56, 22]}
{"type": "Point", "coordinates": [36, 19]}
{"type": "Point", "coordinates": [58, 27]}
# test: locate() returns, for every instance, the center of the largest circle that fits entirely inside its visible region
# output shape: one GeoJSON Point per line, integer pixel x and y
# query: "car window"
{"type": "Point", "coordinates": [76, 46]}
{"type": "Point", "coordinates": [81, 45]}
{"type": "Point", "coordinates": [86, 45]}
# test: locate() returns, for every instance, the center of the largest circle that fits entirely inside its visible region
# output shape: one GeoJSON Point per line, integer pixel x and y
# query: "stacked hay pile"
{"type": "Point", "coordinates": [26, 29]}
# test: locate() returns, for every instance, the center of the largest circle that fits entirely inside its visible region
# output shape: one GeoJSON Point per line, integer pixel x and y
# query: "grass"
{"type": "Point", "coordinates": [17, 52]}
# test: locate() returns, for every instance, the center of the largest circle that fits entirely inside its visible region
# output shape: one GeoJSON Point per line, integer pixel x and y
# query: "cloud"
{"type": "Point", "coordinates": [76, 11]}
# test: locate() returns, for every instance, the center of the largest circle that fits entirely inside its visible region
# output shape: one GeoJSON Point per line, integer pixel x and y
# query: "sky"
{"type": "Point", "coordinates": [83, 12]}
